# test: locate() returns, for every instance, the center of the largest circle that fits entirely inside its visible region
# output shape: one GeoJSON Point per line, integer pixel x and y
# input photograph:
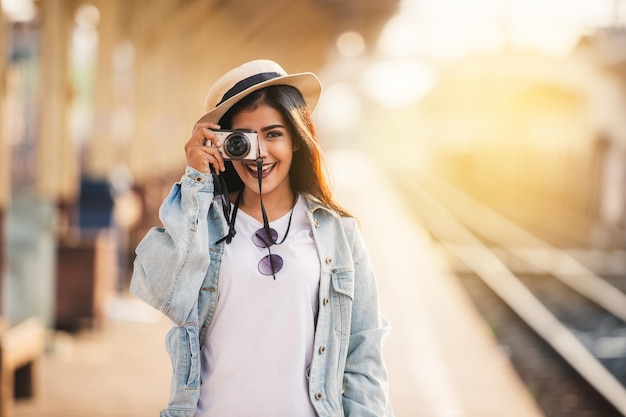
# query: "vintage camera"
{"type": "Point", "coordinates": [238, 144]}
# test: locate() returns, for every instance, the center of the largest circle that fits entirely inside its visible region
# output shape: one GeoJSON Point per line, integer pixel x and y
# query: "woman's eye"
{"type": "Point", "coordinates": [274, 134]}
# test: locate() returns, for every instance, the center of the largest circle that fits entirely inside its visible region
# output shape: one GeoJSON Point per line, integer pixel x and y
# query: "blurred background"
{"type": "Point", "coordinates": [500, 125]}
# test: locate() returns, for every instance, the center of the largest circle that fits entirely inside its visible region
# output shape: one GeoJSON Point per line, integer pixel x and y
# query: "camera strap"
{"type": "Point", "coordinates": [222, 191]}
{"type": "Point", "coordinates": [266, 223]}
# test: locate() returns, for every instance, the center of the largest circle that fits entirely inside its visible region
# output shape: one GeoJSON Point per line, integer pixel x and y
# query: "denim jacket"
{"type": "Point", "coordinates": [176, 271]}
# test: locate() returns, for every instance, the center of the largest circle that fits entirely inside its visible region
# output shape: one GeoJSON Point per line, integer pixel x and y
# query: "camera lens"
{"type": "Point", "coordinates": [236, 146]}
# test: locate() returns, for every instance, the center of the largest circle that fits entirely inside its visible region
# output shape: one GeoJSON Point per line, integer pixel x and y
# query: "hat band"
{"type": "Point", "coordinates": [247, 83]}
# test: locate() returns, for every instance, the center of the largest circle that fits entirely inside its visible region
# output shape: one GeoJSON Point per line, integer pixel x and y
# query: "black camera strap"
{"type": "Point", "coordinates": [222, 191]}
{"type": "Point", "coordinates": [266, 223]}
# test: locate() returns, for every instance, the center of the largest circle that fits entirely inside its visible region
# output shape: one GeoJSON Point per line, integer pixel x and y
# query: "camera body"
{"type": "Point", "coordinates": [238, 144]}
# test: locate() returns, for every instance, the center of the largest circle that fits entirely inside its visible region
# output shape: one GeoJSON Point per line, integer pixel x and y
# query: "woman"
{"type": "Point", "coordinates": [269, 285]}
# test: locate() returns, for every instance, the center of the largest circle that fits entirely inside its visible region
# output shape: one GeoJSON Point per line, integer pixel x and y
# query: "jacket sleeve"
{"type": "Point", "coordinates": [365, 375]}
{"type": "Point", "coordinates": [171, 261]}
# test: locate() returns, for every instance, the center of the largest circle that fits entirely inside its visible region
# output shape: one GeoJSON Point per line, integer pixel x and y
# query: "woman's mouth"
{"type": "Point", "coordinates": [265, 170]}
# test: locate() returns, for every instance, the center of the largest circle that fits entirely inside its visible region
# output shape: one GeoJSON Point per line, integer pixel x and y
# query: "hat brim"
{"type": "Point", "coordinates": [307, 83]}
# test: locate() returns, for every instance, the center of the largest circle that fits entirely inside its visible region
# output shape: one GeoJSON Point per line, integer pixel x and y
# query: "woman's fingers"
{"type": "Point", "coordinates": [202, 149]}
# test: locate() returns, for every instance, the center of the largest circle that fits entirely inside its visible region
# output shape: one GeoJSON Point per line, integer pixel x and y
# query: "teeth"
{"type": "Point", "coordinates": [265, 167]}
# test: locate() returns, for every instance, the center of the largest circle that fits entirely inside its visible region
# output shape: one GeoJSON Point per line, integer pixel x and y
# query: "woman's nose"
{"type": "Point", "coordinates": [262, 148]}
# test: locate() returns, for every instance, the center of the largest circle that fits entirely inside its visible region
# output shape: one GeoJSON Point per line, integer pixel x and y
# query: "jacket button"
{"type": "Point", "coordinates": [316, 223]}
{"type": "Point", "coordinates": [198, 179]}
{"type": "Point", "coordinates": [326, 301]}
{"type": "Point", "coordinates": [322, 349]}
{"type": "Point", "coordinates": [329, 260]}
{"type": "Point", "coordinates": [318, 396]}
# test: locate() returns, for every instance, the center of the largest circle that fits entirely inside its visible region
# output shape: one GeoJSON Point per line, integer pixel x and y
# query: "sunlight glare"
{"type": "Point", "coordinates": [400, 38]}
{"type": "Point", "coordinates": [396, 84]}
{"type": "Point", "coordinates": [339, 109]}
{"type": "Point", "coordinates": [452, 29]}
{"type": "Point", "coordinates": [19, 10]}
{"type": "Point", "coordinates": [351, 44]}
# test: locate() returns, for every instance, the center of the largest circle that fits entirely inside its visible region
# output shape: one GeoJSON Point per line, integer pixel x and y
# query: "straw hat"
{"type": "Point", "coordinates": [251, 76]}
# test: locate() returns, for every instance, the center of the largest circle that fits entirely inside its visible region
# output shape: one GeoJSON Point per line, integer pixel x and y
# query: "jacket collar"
{"type": "Point", "coordinates": [314, 204]}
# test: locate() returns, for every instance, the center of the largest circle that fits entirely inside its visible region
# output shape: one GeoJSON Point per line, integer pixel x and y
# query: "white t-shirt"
{"type": "Point", "coordinates": [259, 346]}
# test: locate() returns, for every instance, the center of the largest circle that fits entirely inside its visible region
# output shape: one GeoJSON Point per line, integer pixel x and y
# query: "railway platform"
{"type": "Point", "coordinates": [443, 360]}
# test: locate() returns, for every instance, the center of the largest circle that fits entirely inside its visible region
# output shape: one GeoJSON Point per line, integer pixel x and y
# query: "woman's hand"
{"type": "Point", "coordinates": [201, 149]}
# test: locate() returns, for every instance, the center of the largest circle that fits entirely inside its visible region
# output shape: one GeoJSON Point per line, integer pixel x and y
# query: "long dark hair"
{"type": "Point", "coordinates": [307, 174]}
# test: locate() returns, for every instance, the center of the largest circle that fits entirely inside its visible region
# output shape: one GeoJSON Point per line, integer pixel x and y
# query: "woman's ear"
{"type": "Point", "coordinates": [296, 146]}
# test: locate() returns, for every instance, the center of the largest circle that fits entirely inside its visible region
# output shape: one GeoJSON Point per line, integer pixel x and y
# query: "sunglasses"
{"type": "Point", "coordinates": [271, 263]}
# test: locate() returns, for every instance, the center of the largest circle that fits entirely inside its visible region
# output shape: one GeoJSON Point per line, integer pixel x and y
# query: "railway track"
{"type": "Point", "coordinates": [574, 310]}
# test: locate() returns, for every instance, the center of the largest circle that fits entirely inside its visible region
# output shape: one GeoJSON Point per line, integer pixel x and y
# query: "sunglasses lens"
{"type": "Point", "coordinates": [270, 264]}
{"type": "Point", "coordinates": [261, 239]}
